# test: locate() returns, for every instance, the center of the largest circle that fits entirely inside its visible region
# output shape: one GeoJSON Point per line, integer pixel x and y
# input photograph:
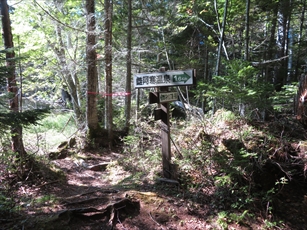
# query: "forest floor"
{"type": "Point", "coordinates": [96, 191]}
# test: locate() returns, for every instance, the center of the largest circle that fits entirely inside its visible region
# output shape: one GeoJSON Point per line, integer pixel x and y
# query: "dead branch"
{"type": "Point", "coordinates": [268, 61]}
{"type": "Point", "coordinates": [180, 156]}
{"type": "Point", "coordinates": [47, 183]}
{"type": "Point", "coordinates": [154, 219]}
{"type": "Point", "coordinates": [175, 182]}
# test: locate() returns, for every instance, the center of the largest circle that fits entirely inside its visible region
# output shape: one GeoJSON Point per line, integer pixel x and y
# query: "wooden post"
{"type": "Point", "coordinates": [165, 136]}
{"type": "Point", "coordinates": [164, 79]}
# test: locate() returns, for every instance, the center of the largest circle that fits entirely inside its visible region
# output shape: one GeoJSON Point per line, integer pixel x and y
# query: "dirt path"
{"type": "Point", "coordinates": [90, 195]}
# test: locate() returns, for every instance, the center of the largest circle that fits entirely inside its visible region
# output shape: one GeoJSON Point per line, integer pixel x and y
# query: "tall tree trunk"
{"type": "Point", "coordinates": [272, 43]}
{"type": "Point", "coordinates": [206, 76]}
{"type": "Point", "coordinates": [299, 52]}
{"type": "Point", "coordinates": [108, 5]}
{"type": "Point", "coordinates": [246, 53]}
{"type": "Point", "coordinates": [290, 54]}
{"type": "Point", "coordinates": [92, 77]}
{"type": "Point", "coordinates": [284, 20]}
{"type": "Point", "coordinates": [69, 75]}
{"type": "Point", "coordinates": [17, 142]}
{"type": "Point", "coordinates": [128, 77]}
{"type": "Point", "coordinates": [221, 40]}
{"type": "Point", "coordinates": [289, 46]}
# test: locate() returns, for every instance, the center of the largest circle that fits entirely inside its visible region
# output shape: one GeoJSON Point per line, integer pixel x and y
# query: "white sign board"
{"type": "Point", "coordinates": [168, 78]}
{"type": "Point", "coordinates": [168, 96]}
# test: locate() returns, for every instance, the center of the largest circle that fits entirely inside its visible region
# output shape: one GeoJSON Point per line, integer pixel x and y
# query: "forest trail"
{"type": "Point", "coordinates": [88, 197]}
{"type": "Point", "coordinates": [100, 190]}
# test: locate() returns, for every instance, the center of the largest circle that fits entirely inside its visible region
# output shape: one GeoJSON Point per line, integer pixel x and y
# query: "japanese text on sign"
{"type": "Point", "coordinates": [168, 78]}
{"type": "Point", "coordinates": [152, 80]}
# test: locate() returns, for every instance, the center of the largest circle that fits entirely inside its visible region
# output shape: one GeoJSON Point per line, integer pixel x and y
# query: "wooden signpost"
{"type": "Point", "coordinates": [161, 81]}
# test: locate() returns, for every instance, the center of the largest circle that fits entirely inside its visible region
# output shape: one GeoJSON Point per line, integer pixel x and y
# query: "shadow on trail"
{"type": "Point", "coordinates": [65, 195]}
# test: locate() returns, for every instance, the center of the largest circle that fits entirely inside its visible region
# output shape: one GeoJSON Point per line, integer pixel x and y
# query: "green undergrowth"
{"type": "Point", "coordinates": [51, 131]}
{"type": "Point", "coordinates": [232, 172]}
{"type": "Point", "coordinates": [237, 166]}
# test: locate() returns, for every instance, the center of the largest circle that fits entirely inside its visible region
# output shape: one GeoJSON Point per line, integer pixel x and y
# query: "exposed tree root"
{"type": "Point", "coordinates": [112, 213]}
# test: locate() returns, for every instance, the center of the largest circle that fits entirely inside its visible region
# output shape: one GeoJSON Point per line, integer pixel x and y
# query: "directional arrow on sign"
{"type": "Point", "coordinates": [181, 77]}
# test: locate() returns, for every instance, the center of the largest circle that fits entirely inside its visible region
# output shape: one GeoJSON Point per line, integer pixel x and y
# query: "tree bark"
{"type": "Point", "coordinates": [92, 77]}
{"type": "Point", "coordinates": [108, 5]}
{"type": "Point", "coordinates": [16, 132]}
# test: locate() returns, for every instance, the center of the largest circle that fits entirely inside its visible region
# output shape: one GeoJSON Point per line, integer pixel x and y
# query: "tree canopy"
{"type": "Point", "coordinates": [268, 36]}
